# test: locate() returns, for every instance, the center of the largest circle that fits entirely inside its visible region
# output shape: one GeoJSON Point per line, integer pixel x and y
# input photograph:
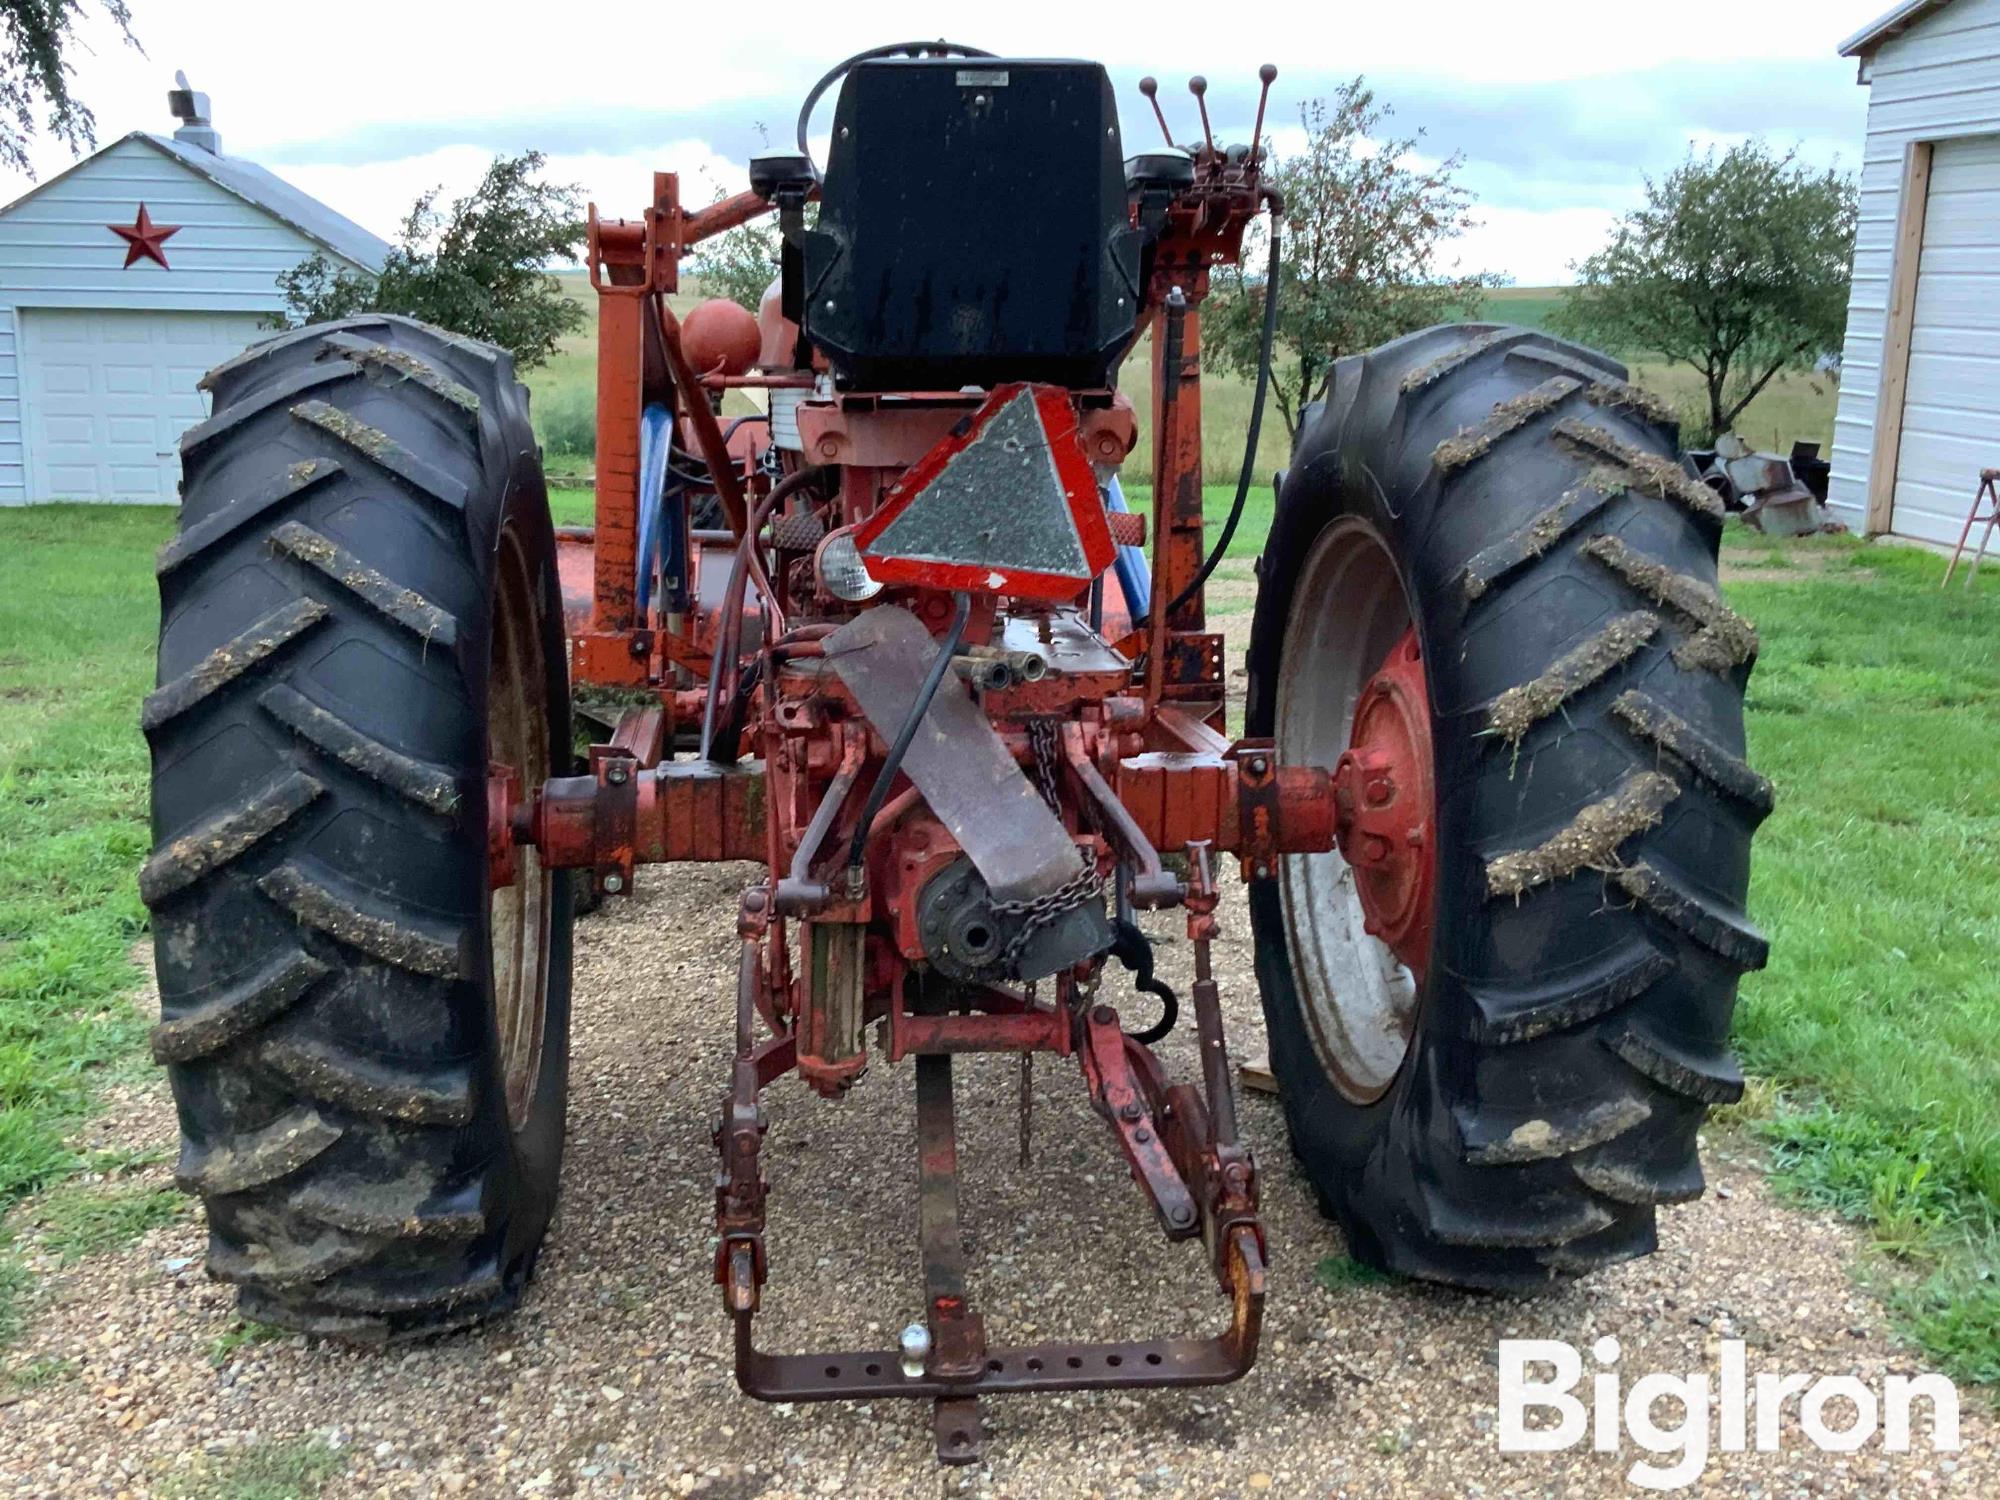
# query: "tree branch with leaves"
{"type": "Point", "coordinates": [1738, 267]}
{"type": "Point", "coordinates": [35, 76]}
{"type": "Point", "coordinates": [477, 268]}
{"type": "Point", "coordinates": [1368, 226]}
{"type": "Point", "coordinates": [739, 263]}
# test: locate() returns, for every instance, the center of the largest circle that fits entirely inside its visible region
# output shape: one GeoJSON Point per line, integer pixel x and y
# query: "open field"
{"type": "Point", "coordinates": [1529, 306]}
{"type": "Point", "coordinates": [1795, 406]}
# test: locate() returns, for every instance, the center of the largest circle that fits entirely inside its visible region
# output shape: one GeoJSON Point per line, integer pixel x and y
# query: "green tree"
{"type": "Point", "coordinates": [1367, 228]}
{"type": "Point", "coordinates": [739, 264]}
{"type": "Point", "coordinates": [1738, 266]}
{"type": "Point", "coordinates": [475, 268]}
{"type": "Point", "coordinates": [35, 76]}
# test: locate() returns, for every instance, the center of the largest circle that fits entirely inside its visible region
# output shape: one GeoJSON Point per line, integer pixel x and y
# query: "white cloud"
{"type": "Point", "coordinates": [378, 194]}
{"type": "Point", "coordinates": [282, 77]}
{"type": "Point", "coordinates": [1534, 247]}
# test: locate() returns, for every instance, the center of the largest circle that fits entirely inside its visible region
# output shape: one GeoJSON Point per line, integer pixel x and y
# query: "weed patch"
{"type": "Point", "coordinates": [77, 1219]}
{"type": "Point", "coordinates": [1339, 1273]}
{"type": "Point", "coordinates": [299, 1470]}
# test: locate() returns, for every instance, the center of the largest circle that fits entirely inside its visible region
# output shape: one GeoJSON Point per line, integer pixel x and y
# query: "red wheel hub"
{"type": "Point", "coordinates": [1387, 806]}
{"type": "Point", "coordinates": [503, 801]}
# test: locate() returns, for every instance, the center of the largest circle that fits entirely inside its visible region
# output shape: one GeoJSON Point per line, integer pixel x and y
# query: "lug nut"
{"type": "Point", "coordinates": [613, 885]}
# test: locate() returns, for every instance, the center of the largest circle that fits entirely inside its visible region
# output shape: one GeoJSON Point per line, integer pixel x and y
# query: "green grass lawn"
{"type": "Point", "coordinates": [1875, 707]}
{"type": "Point", "coordinates": [78, 616]}
{"type": "Point", "coordinates": [572, 507]}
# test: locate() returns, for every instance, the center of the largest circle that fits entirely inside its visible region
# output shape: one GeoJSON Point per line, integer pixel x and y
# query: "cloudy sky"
{"type": "Point", "coordinates": [1561, 107]}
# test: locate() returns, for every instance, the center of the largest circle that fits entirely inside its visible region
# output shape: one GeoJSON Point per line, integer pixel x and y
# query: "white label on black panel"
{"type": "Point", "coordinates": [982, 78]}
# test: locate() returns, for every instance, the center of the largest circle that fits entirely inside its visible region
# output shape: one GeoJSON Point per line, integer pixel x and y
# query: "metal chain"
{"type": "Point", "coordinates": [1080, 889]}
{"type": "Point", "coordinates": [1045, 741]}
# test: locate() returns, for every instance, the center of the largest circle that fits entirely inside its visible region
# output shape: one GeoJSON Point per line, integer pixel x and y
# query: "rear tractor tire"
{"type": "Point", "coordinates": [368, 1045]}
{"type": "Point", "coordinates": [1495, 1044]}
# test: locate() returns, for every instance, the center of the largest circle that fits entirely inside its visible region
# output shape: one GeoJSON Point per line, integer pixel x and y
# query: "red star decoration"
{"type": "Point", "coordinates": [145, 240]}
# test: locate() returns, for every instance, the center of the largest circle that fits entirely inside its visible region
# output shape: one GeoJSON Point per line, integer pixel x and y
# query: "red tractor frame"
{"type": "Point", "coordinates": [892, 640]}
{"type": "Point", "coordinates": [1142, 770]}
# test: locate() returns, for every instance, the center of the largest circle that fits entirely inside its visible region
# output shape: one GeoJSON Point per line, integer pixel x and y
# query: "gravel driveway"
{"type": "Point", "coordinates": [614, 1378]}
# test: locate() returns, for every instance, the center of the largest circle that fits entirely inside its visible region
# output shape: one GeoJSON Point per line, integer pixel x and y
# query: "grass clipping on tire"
{"type": "Point", "coordinates": [1590, 842]}
{"type": "Point", "coordinates": [1519, 709]}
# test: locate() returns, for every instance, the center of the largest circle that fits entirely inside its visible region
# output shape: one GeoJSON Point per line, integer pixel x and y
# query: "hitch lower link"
{"type": "Point", "coordinates": [1180, 1141]}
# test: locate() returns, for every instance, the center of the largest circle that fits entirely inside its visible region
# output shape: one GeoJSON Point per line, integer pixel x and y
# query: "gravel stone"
{"type": "Point", "coordinates": [614, 1378]}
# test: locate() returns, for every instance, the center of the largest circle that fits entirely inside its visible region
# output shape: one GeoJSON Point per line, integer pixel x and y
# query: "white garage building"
{"type": "Point", "coordinates": [1920, 386]}
{"type": "Point", "coordinates": [121, 282]}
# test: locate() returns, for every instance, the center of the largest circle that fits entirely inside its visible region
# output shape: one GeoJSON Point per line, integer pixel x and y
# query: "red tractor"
{"type": "Point", "coordinates": [895, 640]}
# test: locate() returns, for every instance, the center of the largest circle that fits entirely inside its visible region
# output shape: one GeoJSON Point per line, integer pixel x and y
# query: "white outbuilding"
{"type": "Point", "coordinates": [122, 281]}
{"type": "Point", "coordinates": [1920, 382]}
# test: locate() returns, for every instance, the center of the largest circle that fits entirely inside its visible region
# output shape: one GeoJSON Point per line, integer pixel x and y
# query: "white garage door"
{"type": "Point", "coordinates": [108, 395]}
{"type": "Point", "coordinates": [1951, 416]}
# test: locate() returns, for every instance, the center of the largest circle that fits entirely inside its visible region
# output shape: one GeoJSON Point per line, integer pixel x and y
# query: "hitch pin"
{"type": "Point", "coordinates": [916, 1348]}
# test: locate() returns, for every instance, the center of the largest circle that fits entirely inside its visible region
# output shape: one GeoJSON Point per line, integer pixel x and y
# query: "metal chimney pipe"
{"type": "Point", "coordinates": [190, 107]}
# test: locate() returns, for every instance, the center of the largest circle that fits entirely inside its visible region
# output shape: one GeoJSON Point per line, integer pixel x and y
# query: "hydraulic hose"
{"type": "Point", "coordinates": [1264, 348]}
{"type": "Point", "coordinates": [729, 627]}
{"type": "Point", "coordinates": [1131, 947]}
{"type": "Point", "coordinates": [912, 721]}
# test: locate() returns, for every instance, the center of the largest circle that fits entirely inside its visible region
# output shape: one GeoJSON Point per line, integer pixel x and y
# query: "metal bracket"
{"type": "Point", "coordinates": [1118, 1097]}
{"type": "Point", "coordinates": [798, 894]}
{"type": "Point", "coordinates": [617, 816]}
{"type": "Point", "coordinates": [1152, 885]}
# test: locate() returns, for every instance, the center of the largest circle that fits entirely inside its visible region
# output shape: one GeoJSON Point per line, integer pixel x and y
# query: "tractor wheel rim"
{"type": "Point", "coordinates": [518, 738]}
{"type": "Point", "coordinates": [1349, 616]}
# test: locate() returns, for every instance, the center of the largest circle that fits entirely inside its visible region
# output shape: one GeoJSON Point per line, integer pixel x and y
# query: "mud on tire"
{"type": "Point", "coordinates": [1543, 1088]}
{"type": "Point", "coordinates": [359, 611]}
